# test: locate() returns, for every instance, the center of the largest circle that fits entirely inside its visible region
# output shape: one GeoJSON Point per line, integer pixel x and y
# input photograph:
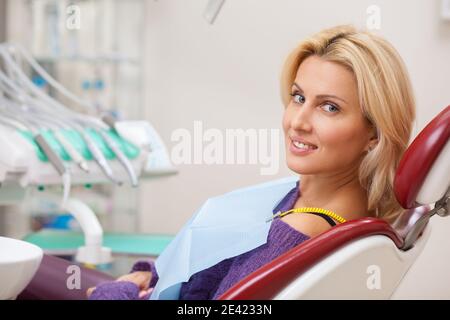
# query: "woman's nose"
{"type": "Point", "coordinates": [301, 118]}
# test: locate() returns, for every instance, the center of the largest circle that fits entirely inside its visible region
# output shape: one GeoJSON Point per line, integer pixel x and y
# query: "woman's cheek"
{"type": "Point", "coordinates": [340, 144]}
{"type": "Point", "coordinates": [285, 122]}
{"type": "Point", "coordinates": [287, 116]}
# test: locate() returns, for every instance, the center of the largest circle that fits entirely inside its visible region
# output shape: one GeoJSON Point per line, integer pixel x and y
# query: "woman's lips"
{"type": "Point", "coordinates": [301, 140]}
{"type": "Point", "coordinates": [299, 151]}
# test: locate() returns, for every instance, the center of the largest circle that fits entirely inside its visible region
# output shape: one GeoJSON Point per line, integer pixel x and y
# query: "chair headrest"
{"type": "Point", "coordinates": [423, 174]}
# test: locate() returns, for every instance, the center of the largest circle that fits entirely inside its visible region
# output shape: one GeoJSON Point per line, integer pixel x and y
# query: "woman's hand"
{"type": "Point", "coordinates": [140, 278]}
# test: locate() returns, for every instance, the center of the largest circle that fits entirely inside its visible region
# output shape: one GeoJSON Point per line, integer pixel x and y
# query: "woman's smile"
{"type": "Point", "coordinates": [301, 148]}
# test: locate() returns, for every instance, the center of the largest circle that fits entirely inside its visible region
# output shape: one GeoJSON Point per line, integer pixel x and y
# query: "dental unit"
{"type": "Point", "coordinates": [46, 143]}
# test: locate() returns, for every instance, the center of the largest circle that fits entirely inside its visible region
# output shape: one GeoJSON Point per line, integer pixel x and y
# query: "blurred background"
{"type": "Point", "coordinates": [173, 62]}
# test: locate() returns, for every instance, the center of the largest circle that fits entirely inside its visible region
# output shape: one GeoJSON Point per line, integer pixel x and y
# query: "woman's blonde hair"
{"type": "Point", "coordinates": [385, 96]}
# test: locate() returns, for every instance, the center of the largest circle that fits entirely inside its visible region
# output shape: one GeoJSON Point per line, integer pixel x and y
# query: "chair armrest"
{"type": "Point", "coordinates": [53, 280]}
{"type": "Point", "coordinates": [265, 282]}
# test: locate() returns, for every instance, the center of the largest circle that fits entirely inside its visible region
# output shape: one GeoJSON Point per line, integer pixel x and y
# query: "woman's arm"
{"type": "Point", "coordinates": [204, 284]}
{"type": "Point", "coordinates": [201, 286]}
{"type": "Point", "coordinates": [138, 284]}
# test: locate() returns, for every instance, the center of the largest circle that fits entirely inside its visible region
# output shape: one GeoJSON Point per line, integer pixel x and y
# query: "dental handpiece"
{"type": "Point", "coordinates": [99, 157]}
{"type": "Point", "coordinates": [68, 147]}
{"type": "Point", "coordinates": [121, 157]}
{"type": "Point", "coordinates": [73, 153]}
{"type": "Point", "coordinates": [57, 162]}
{"type": "Point", "coordinates": [54, 159]}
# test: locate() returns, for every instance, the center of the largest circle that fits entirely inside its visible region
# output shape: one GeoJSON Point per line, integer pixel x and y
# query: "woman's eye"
{"type": "Point", "coordinates": [298, 98]}
{"type": "Point", "coordinates": [330, 108]}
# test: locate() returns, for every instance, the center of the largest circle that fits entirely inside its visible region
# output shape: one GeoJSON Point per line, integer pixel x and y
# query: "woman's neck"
{"type": "Point", "coordinates": [340, 193]}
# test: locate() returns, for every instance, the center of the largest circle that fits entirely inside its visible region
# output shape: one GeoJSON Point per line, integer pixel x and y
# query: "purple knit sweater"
{"type": "Point", "coordinates": [214, 281]}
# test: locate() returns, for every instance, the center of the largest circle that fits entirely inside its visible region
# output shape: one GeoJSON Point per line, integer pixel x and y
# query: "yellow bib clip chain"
{"type": "Point", "coordinates": [329, 213]}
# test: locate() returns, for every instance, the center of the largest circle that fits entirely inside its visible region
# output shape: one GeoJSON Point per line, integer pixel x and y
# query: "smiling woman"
{"type": "Point", "coordinates": [345, 92]}
{"type": "Point", "coordinates": [349, 111]}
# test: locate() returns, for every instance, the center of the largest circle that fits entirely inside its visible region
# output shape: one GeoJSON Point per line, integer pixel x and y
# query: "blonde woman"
{"type": "Point", "coordinates": [348, 115]}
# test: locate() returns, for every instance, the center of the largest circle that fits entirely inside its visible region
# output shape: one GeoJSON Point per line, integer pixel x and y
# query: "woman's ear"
{"type": "Point", "coordinates": [373, 141]}
{"type": "Point", "coordinates": [372, 144]}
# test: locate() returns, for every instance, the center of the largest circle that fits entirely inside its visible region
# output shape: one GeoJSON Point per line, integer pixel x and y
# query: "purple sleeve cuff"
{"type": "Point", "coordinates": [117, 290]}
{"type": "Point", "coordinates": [125, 290]}
{"type": "Point", "coordinates": [147, 265]}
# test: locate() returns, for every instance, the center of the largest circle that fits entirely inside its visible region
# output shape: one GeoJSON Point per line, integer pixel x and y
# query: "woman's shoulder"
{"type": "Point", "coordinates": [307, 224]}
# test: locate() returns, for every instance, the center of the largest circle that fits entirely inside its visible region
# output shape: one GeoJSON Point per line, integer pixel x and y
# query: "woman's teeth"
{"type": "Point", "coordinates": [300, 145]}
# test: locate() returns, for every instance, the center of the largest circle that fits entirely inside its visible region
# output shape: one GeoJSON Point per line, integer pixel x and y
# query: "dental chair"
{"type": "Point", "coordinates": [361, 259]}
{"type": "Point", "coordinates": [366, 258]}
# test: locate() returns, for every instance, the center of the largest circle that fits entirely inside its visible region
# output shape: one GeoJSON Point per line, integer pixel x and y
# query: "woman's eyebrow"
{"type": "Point", "coordinates": [321, 95]}
{"type": "Point", "coordinates": [298, 87]}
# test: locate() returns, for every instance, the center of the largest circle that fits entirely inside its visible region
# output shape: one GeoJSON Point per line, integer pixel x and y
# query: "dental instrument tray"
{"type": "Point", "coordinates": [23, 160]}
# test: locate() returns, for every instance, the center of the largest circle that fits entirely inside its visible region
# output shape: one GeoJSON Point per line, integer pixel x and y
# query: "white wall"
{"type": "Point", "coordinates": [226, 75]}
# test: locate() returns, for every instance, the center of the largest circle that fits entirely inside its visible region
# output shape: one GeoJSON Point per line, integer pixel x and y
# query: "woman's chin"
{"type": "Point", "coordinates": [299, 167]}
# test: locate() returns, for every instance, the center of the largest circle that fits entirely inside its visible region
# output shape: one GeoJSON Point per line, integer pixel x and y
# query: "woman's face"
{"type": "Point", "coordinates": [324, 112]}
